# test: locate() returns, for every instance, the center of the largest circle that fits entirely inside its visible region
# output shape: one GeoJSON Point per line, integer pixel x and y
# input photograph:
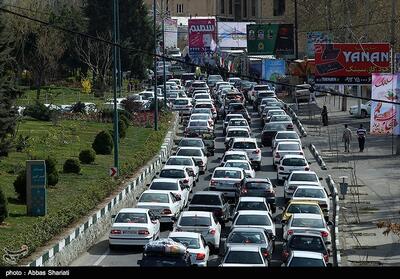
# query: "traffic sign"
{"type": "Point", "coordinates": [113, 171]}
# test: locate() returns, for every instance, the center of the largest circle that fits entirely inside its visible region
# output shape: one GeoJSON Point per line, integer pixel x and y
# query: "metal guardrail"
{"type": "Point", "coordinates": [318, 157]}
{"type": "Point", "coordinates": [296, 121]}
{"type": "Point", "coordinates": [335, 233]}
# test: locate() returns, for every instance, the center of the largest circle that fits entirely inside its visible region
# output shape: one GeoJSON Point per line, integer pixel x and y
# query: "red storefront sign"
{"type": "Point", "coordinates": [350, 63]}
{"type": "Point", "coordinates": [202, 32]}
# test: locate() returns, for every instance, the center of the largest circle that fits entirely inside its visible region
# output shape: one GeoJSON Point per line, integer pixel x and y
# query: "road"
{"type": "Point", "coordinates": [100, 255]}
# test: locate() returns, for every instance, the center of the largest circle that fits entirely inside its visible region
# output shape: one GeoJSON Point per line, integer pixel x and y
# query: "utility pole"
{"type": "Point", "coordinates": [119, 54]}
{"type": "Point", "coordinates": [296, 34]}
{"type": "Point", "coordinates": [115, 66]}
{"type": "Point", "coordinates": [163, 36]}
{"type": "Point", "coordinates": [155, 67]}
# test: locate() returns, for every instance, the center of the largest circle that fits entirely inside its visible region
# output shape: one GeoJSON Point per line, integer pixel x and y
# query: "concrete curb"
{"type": "Point", "coordinates": [296, 121]}
{"type": "Point", "coordinates": [318, 157]}
{"type": "Point", "coordinates": [335, 235]}
{"type": "Point", "coordinates": [83, 236]}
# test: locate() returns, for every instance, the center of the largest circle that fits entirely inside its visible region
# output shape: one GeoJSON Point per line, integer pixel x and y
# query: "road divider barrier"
{"type": "Point", "coordinates": [335, 232]}
{"type": "Point", "coordinates": [318, 157]}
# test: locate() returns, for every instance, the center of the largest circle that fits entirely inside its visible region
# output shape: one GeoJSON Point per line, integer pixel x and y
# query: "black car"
{"type": "Point", "coordinates": [239, 108]}
{"type": "Point", "coordinates": [305, 242]}
{"type": "Point", "coordinates": [258, 187]}
{"type": "Point", "coordinates": [211, 202]}
{"type": "Point", "coordinates": [270, 129]}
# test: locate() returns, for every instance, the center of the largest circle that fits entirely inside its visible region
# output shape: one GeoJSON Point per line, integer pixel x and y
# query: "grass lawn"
{"type": "Point", "coordinates": [74, 195]}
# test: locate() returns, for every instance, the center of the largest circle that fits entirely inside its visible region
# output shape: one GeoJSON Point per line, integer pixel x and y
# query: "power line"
{"type": "Point", "coordinates": [207, 68]}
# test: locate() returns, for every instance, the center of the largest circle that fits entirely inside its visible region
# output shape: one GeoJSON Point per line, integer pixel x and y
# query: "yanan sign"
{"type": "Point", "coordinates": [350, 63]}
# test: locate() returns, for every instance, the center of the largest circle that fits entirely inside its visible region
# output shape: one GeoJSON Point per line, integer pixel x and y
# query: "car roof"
{"type": "Point", "coordinates": [172, 167]}
{"type": "Point", "coordinates": [228, 168]}
{"type": "Point", "coordinates": [184, 234]}
{"type": "Point", "coordinates": [173, 180]}
{"type": "Point", "coordinates": [266, 180]}
{"type": "Point", "coordinates": [133, 210]}
{"type": "Point", "coordinates": [310, 187]}
{"type": "Point", "coordinates": [306, 172]}
{"type": "Point", "coordinates": [235, 114]}
{"type": "Point", "coordinates": [252, 212]}
{"type": "Point", "coordinates": [307, 234]}
{"type": "Point", "coordinates": [155, 192]}
{"type": "Point", "coordinates": [306, 216]}
{"type": "Point", "coordinates": [252, 199]}
{"type": "Point", "coordinates": [238, 161]}
{"type": "Point", "coordinates": [188, 147]}
{"type": "Point", "coordinates": [302, 202]}
{"type": "Point", "coordinates": [230, 152]}
{"type": "Point", "coordinates": [206, 114]}
{"type": "Point", "coordinates": [247, 229]}
{"type": "Point", "coordinates": [196, 213]}
{"type": "Point", "coordinates": [244, 248]}
{"type": "Point", "coordinates": [290, 156]}
{"type": "Point", "coordinates": [209, 193]}
{"type": "Point", "coordinates": [197, 139]}
{"type": "Point", "coordinates": [238, 129]}
{"type": "Point", "coordinates": [179, 157]}
{"type": "Point", "coordinates": [286, 132]}
{"type": "Point", "coordinates": [245, 139]}
{"type": "Point", "coordinates": [307, 254]}
{"type": "Point", "coordinates": [287, 142]}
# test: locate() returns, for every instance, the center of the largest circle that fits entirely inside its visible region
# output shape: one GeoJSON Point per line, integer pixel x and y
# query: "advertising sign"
{"type": "Point", "coordinates": [385, 117]}
{"type": "Point", "coordinates": [36, 196]}
{"type": "Point", "coordinates": [273, 68]}
{"type": "Point", "coordinates": [232, 34]}
{"type": "Point", "coordinates": [350, 63]}
{"type": "Point", "coordinates": [316, 38]}
{"type": "Point", "coordinates": [171, 33]}
{"type": "Point", "coordinates": [270, 39]}
{"type": "Point", "coordinates": [397, 63]}
{"type": "Point", "coordinates": [202, 39]}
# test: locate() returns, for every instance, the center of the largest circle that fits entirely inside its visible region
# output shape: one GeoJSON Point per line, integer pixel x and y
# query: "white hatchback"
{"type": "Point", "coordinates": [291, 163]}
{"type": "Point", "coordinates": [243, 164]}
{"type": "Point", "coordinates": [249, 145]}
{"type": "Point", "coordinates": [197, 154]}
{"type": "Point", "coordinates": [285, 148]}
{"type": "Point", "coordinates": [173, 186]}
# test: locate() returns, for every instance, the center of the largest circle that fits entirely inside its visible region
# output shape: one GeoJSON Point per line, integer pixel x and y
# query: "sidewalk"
{"type": "Point", "coordinates": [374, 183]}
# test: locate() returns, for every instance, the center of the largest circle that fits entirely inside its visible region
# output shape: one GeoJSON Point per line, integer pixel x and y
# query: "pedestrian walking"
{"type": "Point", "coordinates": [347, 135]}
{"type": "Point", "coordinates": [324, 115]}
{"type": "Point", "coordinates": [361, 133]}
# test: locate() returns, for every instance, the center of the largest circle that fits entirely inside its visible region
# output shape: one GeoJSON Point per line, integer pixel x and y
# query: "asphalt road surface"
{"type": "Point", "coordinates": [100, 255]}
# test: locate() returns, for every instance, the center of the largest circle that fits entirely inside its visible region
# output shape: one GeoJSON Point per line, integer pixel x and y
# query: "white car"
{"type": "Point", "coordinates": [253, 203]}
{"type": "Point", "coordinates": [134, 226]}
{"type": "Point", "coordinates": [176, 80]}
{"type": "Point", "coordinates": [197, 154]}
{"type": "Point", "coordinates": [209, 105]}
{"type": "Point", "coordinates": [172, 186]}
{"type": "Point", "coordinates": [282, 136]}
{"type": "Point", "coordinates": [285, 148]}
{"type": "Point", "coordinates": [306, 259]}
{"type": "Point", "coordinates": [242, 164]}
{"type": "Point", "coordinates": [313, 193]}
{"type": "Point", "coordinates": [249, 145]}
{"type": "Point", "coordinates": [182, 105]}
{"type": "Point", "coordinates": [291, 163]}
{"type": "Point", "coordinates": [237, 133]}
{"type": "Point", "coordinates": [201, 98]}
{"type": "Point", "coordinates": [299, 178]}
{"type": "Point", "coordinates": [365, 110]}
{"type": "Point", "coordinates": [237, 123]}
{"type": "Point", "coordinates": [232, 80]}
{"type": "Point", "coordinates": [307, 223]}
{"type": "Point", "coordinates": [187, 162]}
{"type": "Point", "coordinates": [198, 127]}
{"type": "Point", "coordinates": [254, 218]}
{"type": "Point", "coordinates": [227, 180]}
{"type": "Point", "coordinates": [202, 116]}
{"type": "Point", "coordinates": [201, 222]}
{"type": "Point", "coordinates": [178, 172]}
{"type": "Point", "coordinates": [273, 112]}
{"type": "Point", "coordinates": [196, 245]}
{"type": "Point", "coordinates": [166, 204]}
{"type": "Point", "coordinates": [234, 155]}
{"type": "Point", "coordinates": [231, 116]}
{"type": "Point", "coordinates": [244, 256]}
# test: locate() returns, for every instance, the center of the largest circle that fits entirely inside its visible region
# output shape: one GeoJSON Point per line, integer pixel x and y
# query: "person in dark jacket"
{"type": "Point", "coordinates": [324, 115]}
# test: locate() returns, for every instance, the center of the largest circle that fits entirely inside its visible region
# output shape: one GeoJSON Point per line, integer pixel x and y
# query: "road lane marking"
{"type": "Point", "coordinates": [99, 260]}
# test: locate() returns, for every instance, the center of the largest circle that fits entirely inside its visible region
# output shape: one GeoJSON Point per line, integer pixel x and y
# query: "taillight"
{"type": "Point", "coordinates": [201, 163]}
{"type": "Point", "coordinates": [167, 211]}
{"type": "Point", "coordinates": [281, 168]}
{"type": "Point", "coordinates": [265, 252]}
{"type": "Point", "coordinates": [301, 153]}
{"type": "Point", "coordinates": [290, 232]}
{"type": "Point", "coordinates": [285, 255]}
{"type": "Point", "coordinates": [116, 232]}
{"type": "Point", "coordinates": [178, 230]}
{"type": "Point", "coordinates": [212, 231]}
{"type": "Point", "coordinates": [326, 258]}
{"type": "Point", "coordinates": [244, 191]}
{"type": "Point", "coordinates": [200, 256]}
{"type": "Point", "coordinates": [213, 182]}
{"type": "Point", "coordinates": [324, 234]}
{"type": "Point", "coordinates": [217, 212]}
{"type": "Point", "coordinates": [307, 169]}
{"type": "Point", "coordinates": [257, 151]}
{"type": "Point", "coordinates": [145, 232]}
{"type": "Point", "coordinates": [270, 190]}
{"type": "Point", "coordinates": [186, 181]}
{"type": "Point", "coordinates": [277, 155]}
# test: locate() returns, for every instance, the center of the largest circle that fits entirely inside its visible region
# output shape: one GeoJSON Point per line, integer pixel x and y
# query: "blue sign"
{"type": "Point", "coordinates": [36, 188]}
{"type": "Point", "coordinates": [273, 68]}
{"type": "Point", "coordinates": [39, 197]}
{"type": "Point", "coordinates": [38, 175]}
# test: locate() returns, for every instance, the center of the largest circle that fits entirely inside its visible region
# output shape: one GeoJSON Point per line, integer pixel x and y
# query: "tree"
{"type": "Point", "coordinates": [8, 94]}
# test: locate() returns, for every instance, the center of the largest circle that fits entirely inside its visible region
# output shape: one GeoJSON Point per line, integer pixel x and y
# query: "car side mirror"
{"type": "Point", "coordinates": [274, 186]}
{"type": "Point", "coordinates": [148, 184]}
{"type": "Point", "coordinates": [137, 198]}
{"type": "Point", "coordinates": [320, 178]}
{"type": "Point", "coordinates": [283, 222]}
{"type": "Point", "coordinates": [173, 218]}
{"type": "Point", "coordinates": [139, 262]}
{"type": "Point", "coordinates": [113, 216]}
{"type": "Point", "coordinates": [157, 173]}
{"type": "Point", "coordinates": [329, 223]}
{"type": "Point", "coordinates": [285, 178]}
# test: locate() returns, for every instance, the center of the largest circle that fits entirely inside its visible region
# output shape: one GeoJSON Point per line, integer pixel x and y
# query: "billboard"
{"type": "Point", "coordinates": [350, 63]}
{"type": "Point", "coordinates": [316, 38]}
{"type": "Point", "coordinates": [202, 39]}
{"type": "Point", "coordinates": [171, 33]}
{"type": "Point", "coordinates": [270, 39]}
{"type": "Point", "coordinates": [232, 34]}
{"type": "Point", "coordinates": [273, 68]}
{"type": "Point", "coordinates": [397, 65]}
{"type": "Point", "coordinates": [385, 117]}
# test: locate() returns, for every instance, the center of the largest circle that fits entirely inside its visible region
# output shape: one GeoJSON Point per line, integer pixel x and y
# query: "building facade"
{"type": "Point", "coordinates": [186, 8]}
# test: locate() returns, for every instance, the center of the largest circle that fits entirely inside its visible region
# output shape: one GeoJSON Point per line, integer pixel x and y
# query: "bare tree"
{"type": "Point", "coordinates": [97, 56]}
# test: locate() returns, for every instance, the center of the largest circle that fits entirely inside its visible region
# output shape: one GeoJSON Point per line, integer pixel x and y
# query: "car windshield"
{"type": "Point", "coordinates": [202, 97]}
{"type": "Point", "coordinates": [172, 173]}
{"type": "Point", "coordinates": [199, 117]}
{"type": "Point", "coordinates": [258, 185]}
{"type": "Point", "coordinates": [253, 220]}
{"type": "Point", "coordinates": [308, 223]}
{"type": "Point", "coordinates": [238, 134]}
{"type": "Point", "coordinates": [195, 221]}
{"type": "Point", "coordinates": [277, 118]}
{"type": "Point", "coordinates": [189, 152]}
{"type": "Point", "coordinates": [237, 123]}
{"type": "Point", "coordinates": [191, 243]}
{"type": "Point", "coordinates": [229, 117]}
{"type": "Point", "coordinates": [226, 174]}
{"type": "Point", "coordinates": [307, 243]}
{"type": "Point", "coordinates": [296, 162]}
{"type": "Point", "coordinates": [275, 126]}
{"type": "Point", "coordinates": [191, 142]}
{"type": "Point", "coordinates": [241, 165]}
{"type": "Point", "coordinates": [181, 102]}
{"type": "Point", "coordinates": [139, 218]}
{"type": "Point", "coordinates": [289, 147]}
{"type": "Point", "coordinates": [198, 124]}
{"type": "Point", "coordinates": [244, 145]}
{"type": "Point", "coordinates": [180, 162]}
{"type": "Point", "coordinates": [273, 113]}
{"type": "Point", "coordinates": [161, 185]}
{"type": "Point", "coordinates": [306, 262]}
{"type": "Point", "coordinates": [252, 206]}
{"type": "Point", "coordinates": [206, 200]}
{"type": "Point", "coordinates": [201, 110]}
{"type": "Point", "coordinates": [263, 95]}
{"type": "Point", "coordinates": [287, 136]}
{"type": "Point", "coordinates": [310, 193]}
{"type": "Point", "coordinates": [153, 197]}
{"type": "Point", "coordinates": [261, 87]}
{"type": "Point", "coordinates": [199, 85]}
{"type": "Point", "coordinates": [235, 157]}
{"type": "Point", "coordinates": [214, 78]}
{"type": "Point", "coordinates": [247, 237]}
{"type": "Point", "coordinates": [243, 257]}
{"type": "Point", "coordinates": [304, 208]}
{"type": "Point", "coordinates": [204, 105]}
{"type": "Point", "coordinates": [309, 177]}
{"type": "Point", "coordinates": [236, 107]}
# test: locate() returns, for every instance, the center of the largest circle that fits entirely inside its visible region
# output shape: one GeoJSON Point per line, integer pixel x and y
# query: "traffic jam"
{"type": "Point", "coordinates": [238, 191]}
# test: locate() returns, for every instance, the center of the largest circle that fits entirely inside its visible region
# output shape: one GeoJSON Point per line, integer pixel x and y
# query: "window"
{"type": "Point", "coordinates": [230, 7]}
{"type": "Point", "coordinates": [244, 8]}
{"type": "Point", "coordinates": [253, 7]}
{"type": "Point", "coordinates": [222, 6]}
{"type": "Point", "coordinates": [279, 7]}
{"type": "Point", "coordinates": [179, 8]}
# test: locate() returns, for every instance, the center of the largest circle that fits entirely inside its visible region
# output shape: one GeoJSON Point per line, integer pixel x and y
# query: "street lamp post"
{"type": "Point", "coordinates": [163, 34]}
{"type": "Point", "coordinates": [296, 33]}
{"type": "Point", "coordinates": [115, 66]}
{"type": "Point", "coordinates": [155, 68]}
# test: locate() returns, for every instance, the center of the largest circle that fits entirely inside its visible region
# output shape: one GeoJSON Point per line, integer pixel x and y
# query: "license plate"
{"type": "Point", "coordinates": [129, 232]}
